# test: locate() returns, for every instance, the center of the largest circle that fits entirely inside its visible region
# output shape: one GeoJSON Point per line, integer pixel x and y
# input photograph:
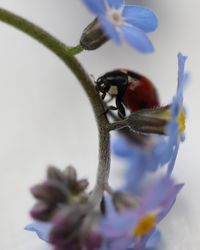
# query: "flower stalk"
{"type": "Point", "coordinates": [66, 54]}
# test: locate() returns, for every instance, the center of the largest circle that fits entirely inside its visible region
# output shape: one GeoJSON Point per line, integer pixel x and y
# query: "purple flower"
{"type": "Point", "coordinates": [125, 22]}
{"type": "Point", "coordinates": [136, 229]}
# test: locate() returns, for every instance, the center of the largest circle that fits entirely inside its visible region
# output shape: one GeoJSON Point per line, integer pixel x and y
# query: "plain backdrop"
{"type": "Point", "coordinates": [45, 117]}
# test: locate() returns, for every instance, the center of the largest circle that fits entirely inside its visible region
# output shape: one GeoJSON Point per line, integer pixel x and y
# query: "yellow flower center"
{"type": "Point", "coordinates": [145, 225]}
{"type": "Point", "coordinates": [181, 121]}
{"type": "Point", "coordinates": [167, 116]}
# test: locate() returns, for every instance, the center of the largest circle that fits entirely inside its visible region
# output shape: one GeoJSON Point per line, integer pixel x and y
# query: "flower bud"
{"type": "Point", "coordinates": [67, 223]}
{"type": "Point", "coordinates": [61, 188]}
{"type": "Point", "coordinates": [54, 173]}
{"type": "Point", "coordinates": [42, 211]}
{"type": "Point", "coordinates": [82, 185]}
{"type": "Point", "coordinates": [123, 201]}
{"type": "Point", "coordinates": [93, 36]}
{"type": "Point", "coordinates": [50, 192]}
{"type": "Point", "coordinates": [90, 231]}
{"type": "Point", "coordinates": [150, 121]}
{"type": "Point", "coordinates": [70, 173]}
{"type": "Point", "coordinates": [93, 241]}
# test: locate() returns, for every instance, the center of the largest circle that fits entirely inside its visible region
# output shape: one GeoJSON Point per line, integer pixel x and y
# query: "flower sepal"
{"type": "Point", "coordinates": [93, 36]}
{"type": "Point", "coordinates": [123, 201]}
{"type": "Point", "coordinates": [150, 121]}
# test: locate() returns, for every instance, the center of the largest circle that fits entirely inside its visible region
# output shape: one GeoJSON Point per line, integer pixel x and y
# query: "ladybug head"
{"type": "Point", "coordinates": [103, 85]}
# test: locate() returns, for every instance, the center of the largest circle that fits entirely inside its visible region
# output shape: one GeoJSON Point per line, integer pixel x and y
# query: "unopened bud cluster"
{"type": "Point", "coordinates": [59, 190]}
{"type": "Point", "coordinates": [63, 201]}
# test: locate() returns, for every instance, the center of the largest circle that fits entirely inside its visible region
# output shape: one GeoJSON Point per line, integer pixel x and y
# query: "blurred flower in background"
{"type": "Point", "coordinates": [136, 228]}
{"type": "Point", "coordinates": [133, 227]}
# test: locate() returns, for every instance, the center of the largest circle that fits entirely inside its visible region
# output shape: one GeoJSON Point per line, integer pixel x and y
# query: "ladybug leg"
{"type": "Point", "coordinates": [112, 108]}
{"type": "Point", "coordinates": [121, 109]}
{"type": "Point", "coordinates": [103, 95]}
{"type": "Point", "coordinates": [108, 108]}
{"type": "Point", "coordinates": [121, 112]}
{"type": "Point", "coordinates": [121, 86]}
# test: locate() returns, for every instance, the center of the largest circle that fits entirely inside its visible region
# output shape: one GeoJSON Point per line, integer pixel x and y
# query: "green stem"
{"type": "Point", "coordinates": [75, 50]}
{"type": "Point", "coordinates": [65, 54]}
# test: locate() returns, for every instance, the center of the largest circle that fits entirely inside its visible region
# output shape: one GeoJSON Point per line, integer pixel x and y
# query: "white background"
{"type": "Point", "coordinates": [45, 117]}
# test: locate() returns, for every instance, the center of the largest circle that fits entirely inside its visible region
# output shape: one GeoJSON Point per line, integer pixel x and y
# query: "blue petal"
{"type": "Point", "coordinates": [153, 240]}
{"type": "Point", "coordinates": [181, 65]}
{"type": "Point", "coordinates": [137, 39]}
{"type": "Point", "coordinates": [173, 159]}
{"type": "Point", "coordinates": [134, 175]}
{"type": "Point", "coordinates": [96, 7]}
{"type": "Point", "coordinates": [141, 17]}
{"type": "Point", "coordinates": [175, 108]}
{"type": "Point", "coordinates": [116, 4]}
{"type": "Point", "coordinates": [169, 201]}
{"type": "Point", "coordinates": [156, 193]}
{"type": "Point", "coordinates": [115, 225]}
{"type": "Point", "coordinates": [149, 241]}
{"type": "Point", "coordinates": [109, 29]}
{"type": "Point", "coordinates": [120, 243]}
{"type": "Point", "coordinates": [122, 148]}
{"type": "Point", "coordinates": [41, 229]}
{"type": "Point", "coordinates": [181, 77]}
{"type": "Point", "coordinates": [163, 152]}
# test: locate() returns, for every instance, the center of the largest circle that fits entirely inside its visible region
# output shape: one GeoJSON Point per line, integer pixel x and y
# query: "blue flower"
{"type": "Point", "coordinates": [42, 229]}
{"type": "Point", "coordinates": [136, 229]}
{"type": "Point", "coordinates": [162, 150]}
{"type": "Point", "coordinates": [140, 160]}
{"type": "Point", "coordinates": [125, 22]}
{"type": "Point", "coordinates": [176, 127]}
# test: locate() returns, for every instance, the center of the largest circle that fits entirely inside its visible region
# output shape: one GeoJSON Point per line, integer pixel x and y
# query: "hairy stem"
{"type": "Point", "coordinates": [65, 53]}
{"type": "Point", "coordinates": [118, 125]}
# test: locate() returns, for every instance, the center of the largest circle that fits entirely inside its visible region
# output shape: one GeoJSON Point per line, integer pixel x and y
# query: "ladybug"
{"type": "Point", "coordinates": [129, 89]}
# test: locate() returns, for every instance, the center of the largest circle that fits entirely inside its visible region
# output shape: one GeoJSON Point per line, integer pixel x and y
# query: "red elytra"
{"type": "Point", "coordinates": [140, 94]}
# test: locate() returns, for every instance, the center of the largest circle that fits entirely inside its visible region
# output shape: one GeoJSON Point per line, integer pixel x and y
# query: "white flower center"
{"type": "Point", "coordinates": [115, 17]}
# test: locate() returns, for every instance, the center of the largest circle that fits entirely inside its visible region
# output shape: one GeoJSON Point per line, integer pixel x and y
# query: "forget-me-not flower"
{"type": "Point", "coordinates": [161, 151]}
{"type": "Point", "coordinates": [176, 127]}
{"type": "Point", "coordinates": [175, 116]}
{"type": "Point", "coordinates": [125, 22]}
{"type": "Point", "coordinates": [134, 229]}
{"type": "Point", "coordinates": [130, 229]}
{"type": "Point", "coordinates": [140, 160]}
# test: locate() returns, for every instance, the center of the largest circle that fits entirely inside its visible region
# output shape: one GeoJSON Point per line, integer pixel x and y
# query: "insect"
{"type": "Point", "coordinates": [129, 89]}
